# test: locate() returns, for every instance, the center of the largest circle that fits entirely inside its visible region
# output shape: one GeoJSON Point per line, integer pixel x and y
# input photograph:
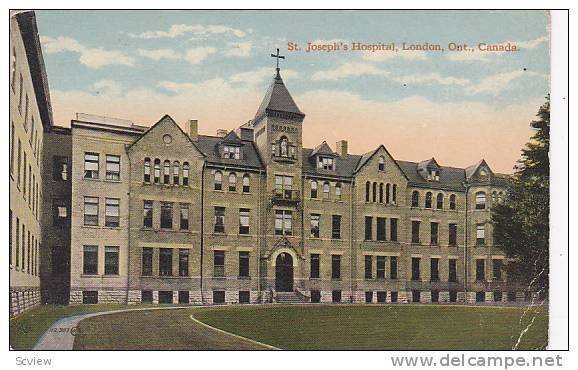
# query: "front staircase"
{"type": "Point", "coordinates": [289, 298]}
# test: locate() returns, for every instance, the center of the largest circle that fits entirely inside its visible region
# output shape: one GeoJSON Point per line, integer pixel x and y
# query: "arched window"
{"type": "Point", "coordinates": [381, 193]}
{"type": "Point", "coordinates": [440, 201]}
{"type": "Point", "coordinates": [218, 181]}
{"type": "Point", "coordinates": [176, 170]}
{"type": "Point", "coordinates": [167, 172]}
{"type": "Point", "coordinates": [394, 194]}
{"type": "Point", "coordinates": [147, 170]}
{"type": "Point", "coordinates": [367, 189]}
{"type": "Point", "coordinates": [428, 199]}
{"type": "Point", "coordinates": [283, 144]}
{"type": "Point", "coordinates": [387, 189]}
{"type": "Point", "coordinates": [338, 190]}
{"type": "Point", "coordinates": [415, 199]}
{"type": "Point", "coordinates": [185, 173]}
{"type": "Point", "coordinates": [157, 171]}
{"type": "Point", "coordinates": [374, 192]}
{"type": "Point", "coordinates": [246, 184]}
{"type": "Point", "coordinates": [326, 188]}
{"type": "Point", "coordinates": [480, 200]}
{"type": "Point", "coordinates": [232, 182]}
{"type": "Point", "coordinates": [381, 164]}
{"type": "Point", "coordinates": [453, 201]}
{"type": "Point", "coordinates": [313, 189]}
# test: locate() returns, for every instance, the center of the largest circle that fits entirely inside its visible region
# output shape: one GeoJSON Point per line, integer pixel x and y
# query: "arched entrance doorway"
{"type": "Point", "coordinates": [284, 273]}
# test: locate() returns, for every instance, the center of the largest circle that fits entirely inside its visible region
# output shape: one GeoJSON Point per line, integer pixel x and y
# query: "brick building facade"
{"type": "Point", "coordinates": [249, 215]}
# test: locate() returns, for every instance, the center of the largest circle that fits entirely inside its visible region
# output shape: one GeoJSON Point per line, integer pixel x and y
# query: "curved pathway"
{"type": "Point", "coordinates": [61, 334]}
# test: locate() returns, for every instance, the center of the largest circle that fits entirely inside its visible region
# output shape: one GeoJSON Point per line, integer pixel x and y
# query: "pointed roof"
{"type": "Point", "coordinates": [428, 163]}
{"type": "Point", "coordinates": [322, 149]}
{"type": "Point", "coordinates": [232, 138]}
{"type": "Point", "coordinates": [471, 170]}
{"type": "Point", "coordinates": [278, 99]}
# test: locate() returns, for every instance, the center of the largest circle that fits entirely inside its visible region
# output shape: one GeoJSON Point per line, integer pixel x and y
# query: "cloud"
{"type": "Point", "coordinates": [383, 56]}
{"type": "Point", "coordinates": [107, 87]}
{"type": "Point", "coordinates": [90, 57]}
{"type": "Point", "coordinates": [175, 87]}
{"type": "Point", "coordinates": [494, 84]}
{"type": "Point", "coordinates": [261, 75]}
{"type": "Point", "coordinates": [159, 54]}
{"type": "Point", "coordinates": [431, 78]}
{"type": "Point", "coordinates": [240, 49]}
{"type": "Point", "coordinates": [349, 70]}
{"type": "Point", "coordinates": [197, 55]}
{"type": "Point", "coordinates": [197, 30]}
{"type": "Point", "coordinates": [531, 44]}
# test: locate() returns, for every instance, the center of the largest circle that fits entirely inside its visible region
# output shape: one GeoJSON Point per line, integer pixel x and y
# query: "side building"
{"type": "Point", "coordinates": [159, 215]}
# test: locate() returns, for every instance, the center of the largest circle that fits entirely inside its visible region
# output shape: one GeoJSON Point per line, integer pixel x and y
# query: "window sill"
{"type": "Point", "coordinates": [101, 227]}
{"type": "Point", "coordinates": [243, 278]}
{"type": "Point", "coordinates": [112, 181]}
{"type": "Point", "coordinates": [92, 179]}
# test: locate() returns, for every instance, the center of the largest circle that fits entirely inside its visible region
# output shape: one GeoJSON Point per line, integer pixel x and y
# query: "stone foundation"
{"type": "Point", "coordinates": [23, 299]}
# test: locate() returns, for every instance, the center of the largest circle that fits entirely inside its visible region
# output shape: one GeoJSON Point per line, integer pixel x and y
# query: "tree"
{"type": "Point", "coordinates": [521, 220]}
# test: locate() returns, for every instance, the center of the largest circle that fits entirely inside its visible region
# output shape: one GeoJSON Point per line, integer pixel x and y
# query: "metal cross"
{"type": "Point", "coordinates": [278, 57]}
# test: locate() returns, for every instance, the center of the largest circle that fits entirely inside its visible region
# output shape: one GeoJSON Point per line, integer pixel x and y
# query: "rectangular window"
{"type": "Point", "coordinates": [19, 162]}
{"type": "Point", "coordinates": [244, 221]}
{"type": "Point", "coordinates": [91, 211]}
{"type": "Point", "coordinates": [219, 219]}
{"type": "Point", "coordinates": [12, 133]}
{"type": "Point", "coordinates": [380, 265]}
{"type": "Point", "coordinates": [111, 260]}
{"type": "Point", "coordinates": [480, 270]}
{"type": "Point", "coordinates": [314, 274]}
{"type": "Point", "coordinates": [90, 260]}
{"type": "Point", "coordinates": [59, 212]}
{"type": "Point", "coordinates": [315, 296]}
{"type": "Point", "coordinates": [368, 228]}
{"type": "Point", "coordinates": [284, 187]}
{"type": "Point", "coordinates": [415, 296]}
{"type": "Point", "coordinates": [453, 235]}
{"type": "Point", "coordinates": [283, 222]}
{"type": "Point", "coordinates": [166, 215]}
{"type": "Point", "coordinates": [90, 297]}
{"type": "Point", "coordinates": [325, 163]}
{"type": "Point", "coordinates": [497, 269]}
{"type": "Point", "coordinates": [183, 262]}
{"type": "Point", "coordinates": [17, 257]}
{"type": "Point", "coordinates": [147, 218]}
{"type": "Point", "coordinates": [434, 226]}
{"type": "Point", "coordinates": [336, 227]}
{"type": "Point", "coordinates": [231, 152]}
{"type": "Point", "coordinates": [147, 262]}
{"type": "Point", "coordinates": [369, 296]}
{"type": "Point", "coordinates": [165, 296]}
{"type": "Point", "coordinates": [218, 263]}
{"type": "Point", "coordinates": [183, 296]}
{"type": "Point", "coordinates": [393, 230]}
{"type": "Point", "coordinates": [435, 296]}
{"type": "Point", "coordinates": [381, 228]}
{"type": "Point", "coordinates": [434, 269]}
{"type": "Point", "coordinates": [165, 262]}
{"type": "Point", "coordinates": [146, 296]}
{"type": "Point", "coordinates": [369, 267]}
{"type": "Point", "coordinates": [415, 232]}
{"type": "Point", "coordinates": [91, 165]}
{"type": "Point", "coordinates": [184, 217]}
{"type": "Point", "coordinates": [453, 271]}
{"type": "Point", "coordinates": [244, 296]}
{"type": "Point", "coordinates": [315, 225]}
{"type": "Point", "coordinates": [393, 267]}
{"type": "Point", "coordinates": [336, 296]}
{"type": "Point", "coordinates": [335, 266]}
{"type": "Point", "coordinates": [453, 296]}
{"type": "Point", "coordinates": [112, 212]}
{"type": "Point", "coordinates": [243, 264]}
{"type": "Point", "coordinates": [218, 296]}
{"type": "Point", "coordinates": [415, 270]}
{"type": "Point", "coordinates": [498, 296]}
{"type": "Point", "coordinates": [480, 234]}
{"type": "Point", "coordinates": [112, 167]}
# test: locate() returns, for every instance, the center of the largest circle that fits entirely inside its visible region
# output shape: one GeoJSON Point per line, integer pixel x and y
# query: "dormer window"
{"type": "Point", "coordinates": [231, 152]}
{"type": "Point", "coordinates": [325, 163]}
{"type": "Point", "coordinates": [433, 174]}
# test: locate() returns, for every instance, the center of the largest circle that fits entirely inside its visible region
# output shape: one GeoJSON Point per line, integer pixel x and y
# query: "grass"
{"type": "Point", "coordinates": [27, 328]}
{"type": "Point", "coordinates": [323, 327]}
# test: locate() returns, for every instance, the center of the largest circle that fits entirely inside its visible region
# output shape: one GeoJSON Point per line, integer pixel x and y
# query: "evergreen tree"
{"type": "Point", "coordinates": [521, 220]}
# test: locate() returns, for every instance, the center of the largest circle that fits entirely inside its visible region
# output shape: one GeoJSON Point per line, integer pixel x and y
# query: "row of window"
{"type": "Point", "coordinates": [244, 220]}
{"type": "Point", "coordinates": [429, 200]}
{"type": "Point", "coordinates": [169, 177]}
{"type": "Point", "coordinates": [434, 233]}
{"type": "Point", "coordinates": [92, 166]}
{"type": "Point", "coordinates": [326, 189]}
{"type": "Point", "coordinates": [26, 247]}
{"type": "Point", "coordinates": [497, 265]}
{"type": "Point", "coordinates": [25, 178]}
{"type": "Point", "coordinates": [111, 211]}
{"type": "Point", "coordinates": [90, 260]}
{"type": "Point", "coordinates": [166, 215]}
{"type": "Point", "coordinates": [372, 195]}
{"type": "Point", "coordinates": [218, 182]}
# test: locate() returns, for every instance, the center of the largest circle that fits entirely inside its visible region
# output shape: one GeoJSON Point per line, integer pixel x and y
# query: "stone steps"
{"type": "Point", "coordinates": [288, 298]}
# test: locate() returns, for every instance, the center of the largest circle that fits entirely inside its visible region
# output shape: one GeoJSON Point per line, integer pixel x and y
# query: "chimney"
{"type": "Point", "coordinates": [221, 132]}
{"type": "Point", "coordinates": [341, 147]}
{"type": "Point", "coordinates": [245, 133]}
{"type": "Point", "coordinates": [194, 129]}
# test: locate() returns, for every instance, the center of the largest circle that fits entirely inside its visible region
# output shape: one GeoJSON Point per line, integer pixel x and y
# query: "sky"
{"type": "Point", "coordinates": [215, 66]}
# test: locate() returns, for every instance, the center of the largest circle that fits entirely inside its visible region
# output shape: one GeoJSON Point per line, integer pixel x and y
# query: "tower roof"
{"type": "Point", "coordinates": [278, 99]}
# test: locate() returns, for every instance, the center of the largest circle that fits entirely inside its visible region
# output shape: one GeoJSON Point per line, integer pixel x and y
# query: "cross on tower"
{"type": "Point", "coordinates": [278, 57]}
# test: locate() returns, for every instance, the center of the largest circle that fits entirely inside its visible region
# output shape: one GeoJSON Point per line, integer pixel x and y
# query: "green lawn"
{"type": "Point", "coordinates": [309, 327]}
{"type": "Point", "coordinates": [27, 328]}
{"type": "Point", "coordinates": [383, 327]}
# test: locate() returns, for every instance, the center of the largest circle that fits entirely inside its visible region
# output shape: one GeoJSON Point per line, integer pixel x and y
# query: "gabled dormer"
{"type": "Point", "coordinates": [429, 169]}
{"type": "Point", "coordinates": [479, 172]}
{"type": "Point", "coordinates": [324, 157]}
{"type": "Point", "coordinates": [231, 146]}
